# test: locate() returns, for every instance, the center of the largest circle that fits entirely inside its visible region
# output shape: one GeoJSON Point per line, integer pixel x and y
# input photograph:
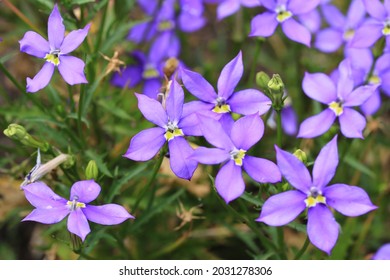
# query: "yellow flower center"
{"type": "Point", "coordinates": [150, 72]}
{"type": "Point", "coordinates": [53, 57]}
{"type": "Point", "coordinates": [374, 80]}
{"type": "Point", "coordinates": [170, 134]}
{"type": "Point", "coordinates": [238, 156]}
{"type": "Point", "coordinates": [165, 25]}
{"type": "Point", "coordinates": [283, 14]}
{"type": "Point", "coordinates": [386, 28]}
{"type": "Point", "coordinates": [74, 204]}
{"type": "Point", "coordinates": [348, 34]}
{"type": "Point", "coordinates": [336, 107]}
{"type": "Point", "coordinates": [221, 107]}
{"type": "Point", "coordinates": [314, 197]}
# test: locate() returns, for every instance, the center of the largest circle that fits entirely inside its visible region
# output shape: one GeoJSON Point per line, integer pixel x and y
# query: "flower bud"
{"type": "Point", "coordinates": [19, 133]}
{"type": "Point", "coordinates": [262, 80]}
{"type": "Point", "coordinates": [276, 85]}
{"type": "Point", "coordinates": [92, 171]}
{"type": "Point", "coordinates": [301, 155]}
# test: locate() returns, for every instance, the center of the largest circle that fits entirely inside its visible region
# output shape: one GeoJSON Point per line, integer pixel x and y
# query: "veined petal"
{"type": "Point", "coordinates": [359, 95]}
{"type": "Point", "coordinates": [296, 32]}
{"type": "Point", "coordinates": [249, 101]}
{"type": "Point", "coordinates": [210, 155]}
{"type": "Point", "coordinates": [41, 196]}
{"type": "Point", "coordinates": [375, 9]}
{"type": "Point", "coordinates": [326, 164]}
{"type": "Point", "coordinates": [348, 200]}
{"type": "Point", "coordinates": [227, 8]}
{"type": "Point", "coordinates": [152, 110]}
{"type": "Point", "coordinates": [334, 17]}
{"type": "Point", "coordinates": [320, 87]}
{"type": "Point", "coordinates": [366, 35]}
{"type": "Point", "coordinates": [179, 158]}
{"type": "Point", "coordinates": [174, 101]}
{"type": "Point", "coordinates": [247, 131]}
{"type": "Point", "coordinates": [48, 216]}
{"type": "Point", "coordinates": [72, 70]}
{"type": "Point", "coordinates": [282, 208]}
{"type": "Point", "coordinates": [146, 144]}
{"type": "Point", "coordinates": [352, 123]}
{"type": "Point", "coordinates": [55, 29]}
{"type": "Point", "coordinates": [317, 125]}
{"type": "Point", "coordinates": [85, 191]}
{"type": "Point", "coordinates": [78, 224]}
{"type": "Point", "coordinates": [108, 214]}
{"type": "Point", "coordinates": [74, 39]}
{"type": "Point", "coordinates": [198, 86]}
{"type": "Point", "coordinates": [34, 44]}
{"type": "Point", "coordinates": [41, 79]}
{"type": "Point", "coordinates": [322, 228]}
{"type": "Point", "coordinates": [298, 7]}
{"type": "Point", "coordinates": [229, 182]}
{"type": "Point", "coordinates": [264, 25]}
{"type": "Point", "coordinates": [230, 76]}
{"type": "Point", "coordinates": [329, 40]}
{"type": "Point", "coordinates": [262, 170]}
{"type": "Point", "coordinates": [293, 170]}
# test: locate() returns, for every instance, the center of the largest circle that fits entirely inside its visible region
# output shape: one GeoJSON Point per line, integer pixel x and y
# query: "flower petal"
{"type": "Point", "coordinates": [375, 9]}
{"type": "Point", "coordinates": [189, 22]}
{"type": "Point", "coordinates": [320, 87]}
{"type": "Point", "coordinates": [264, 25]}
{"type": "Point", "coordinates": [356, 13]}
{"type": "Point", "coordinates": [262, 170]}
{"type": "Point", "coordinates": [298, 7]}
{"type": "Point", "coordinates": [359, 95]}
{"type": "Point", "coordinates": [143, 31]}
{"type": "Point", "coordinates": [74, 39]}
{"type": "Point", "coordinates": [129, 77]}
{"type": "Point", "coordinates": [152, 87]}
{"type": "Point", "coordinates": [152, 110]}
{"type": "Point", "coordinates": [311, 20]}
{"type": "Point", "coordinates": [334, 17]}
{"type": "Point", "coordinates": [146, 144]}
{"type": "Point", "coordinates": [317, 125]}
{"type": "Point", "coordinates": [229, 182]}
{"type": "Point", "coordinates": [329, 40]}
{"type": "Point", "coordinates": [85, 191]}
{"type": "Point", "coordinates": [293, 170]}
{"type": "Point", "coordinates": [352, 123]}
{"type": "Point", "coordinates": [372, 104]}
{"type": "Point", "coordinates": [366, 35]}
{"type": "Point", "coordinates": [198, 86]}
{"type": "Point", "coordinates": [269, 4]}
{"type": "Point", "coordinates": [48, 216]}
{"type": "Point", "coordinates": [55, 29]}
{"type": "Point", "coordinates": [296, 32]}
{"type": "Point", "coordinates": [289, 120]}
{"type": "Point", "coordinates": [322, 228]}
{"type": "Point", "coordinates": [108, 214]}
{"type": "Point", "coordinates": [247, 131]}
{"type": "Point", "coordinates": [383, 253]}
{"type": "Point", "coordinates": [227, 8]}
{"type": "Point", "coordinates": [41, 79]}
{"type": "Point", "coordinates": [249, 101]}
{"type": "Point", "coordinates": [197, 106]}
{"type": "Point", "coordinates": [72, 70]}
{"type": "Point", "coordinates": [230, 76]}
{"type": "Point", "coordinates": [78, 224]}
{"type": "Point", "coordinates": [41, 196]}
{"type": "Point", "coordinates": [210, 155]}
{"type": "Point", "coordinates": [174, 102]}
{"type": "Point", "coordinates": [348, 200]}
{"type": "Point", "coordinates": [325, 165]}
{"type": "Point", "coordinates": [282, 208]}
{"type": "Point", "coordinates": [34, 44]}
{"type": "Point", "coordinates": [179, 158]}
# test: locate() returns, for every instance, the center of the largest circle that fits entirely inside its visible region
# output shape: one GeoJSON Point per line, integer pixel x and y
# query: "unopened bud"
{"type": "Point", "coordinates": [170, 66]}
{"type": "Point", "coordinates": [262, 80]}
{"type": "Point", "coordinates": [19, 133]}
{"type": "Point", "coordinates": [301, 155]}
{"type": "Point", "coordinates": [92, 171]}
{"type": "Point", "coordinates": [276, 85]}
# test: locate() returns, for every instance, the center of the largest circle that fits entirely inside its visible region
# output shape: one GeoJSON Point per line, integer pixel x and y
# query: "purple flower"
{"type": "Point", "coordinates": [383, 253]}
{"type": "Point", "coordinates": [172, 127]}
{"type": "Point", "coordinates": [340, 98]}
{"type": "Point", "coordinates": [55, 52]}
{"type": "Point", "coordinates": [342, 28]}
{"type": "Point", "coordinates": [245, 102]}
{"type": "Point", "coordinates": [282, 11]}
{"type": "Point", "coordinates": [315, 195]}
{"type": "Point", "coordinates": [52, 208]}
{"type": "Point", "coordinates": [377, 26]}
{"type": "Point", "coordinates": [231, 150]}
{"type": "Point", "coordinates": [229, 7]}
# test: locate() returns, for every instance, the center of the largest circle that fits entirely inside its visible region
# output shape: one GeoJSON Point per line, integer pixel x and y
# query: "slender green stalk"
{"type": "Point", "coordinates": [303, 249]}
{"type": "Point", "coordinates": [101, 29]}
{"type": "Point", "coordinates": [254, 63]}
{"type": "Point", "coordinates": [279, 128]}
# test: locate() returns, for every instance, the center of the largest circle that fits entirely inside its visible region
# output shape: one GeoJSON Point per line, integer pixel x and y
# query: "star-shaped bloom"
{"type": "Point", "coordinates": [383, 253]}
{"type": "Point", "coordinates": [315, 195]}
{"type": "Point", "coordinates": [171, 128]}
{"type": "Point", "coordinates": [56, 53]}
{"type": "Point", "coordinates": [52, 208]}
{"type": "Point", "coordinates": [231, 150]}
{"type": "Point", "coordinates": [340, 98]}
{"type": "Point", "coordinates": [282, 12]}
{"type": "Point", "coordinates": [229, 7]}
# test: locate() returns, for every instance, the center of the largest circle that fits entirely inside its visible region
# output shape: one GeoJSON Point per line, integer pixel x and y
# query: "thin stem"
{"type": "Point", "coordinates": [255, 56]}
{"type": "Point", "coordinates": [101, 29]}
{"type": "Point", "coordinates": [21, 15]}
{"type": "Point", "coordinates": [279, 128]}
{"type": "Point", "coordinates": [303, 249]}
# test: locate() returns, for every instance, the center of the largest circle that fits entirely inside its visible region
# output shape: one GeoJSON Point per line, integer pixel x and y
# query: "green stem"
{"type": "Point", "coordinates": [303, 249]}
{"type": "Point", "coordinates": [101, 29]}
{"type": "Point", "coordinates": [253, 68]}
{"type": "Point", "coordinates": [279, 128]}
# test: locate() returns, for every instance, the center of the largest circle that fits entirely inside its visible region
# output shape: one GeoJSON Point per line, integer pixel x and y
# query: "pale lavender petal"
{"type": "Point", "coordinates": [72, 70]}
{"type": "Point", "coordinates": [230, 76]}
{"type": "Point", "coordinates": [107, 214]}
{"type": "Point", "coordinates": [190, 23]}
{"type": "Point", "coordinates": [247, 131]}
{"type": "Point", "coordinates": [375, 9]}
{"type": "Point", "coordinates": [146, 144]}
{"type": "Point", "coordinates": [356, 13]}
{"type": "Point", "coordinates": [41, 79]}
{"type": "Point", "coordinates": [322, 228]}
{"type": "Point", "coordinates": [74, 39]}
{"type": "Point", "coordinates": [326, 164]}
{"type": "Point", "coordinates": [34, 44]}
{"type": "Point", "coordinates": [78, 224]}
{"type": "Point", "coordinates": [41, 196]}
{"type": "Point", "coordinates": [269, 4]}
{"type": "Point", "coordinates": [152, 87]}
{"type": "Point", "coordinates": [250, 3]}
{"type": "Point", "coordinates": [293, 170]}
{"type": "Point", "coordinates": [359, 95]}
{"type": "Point", "coordinates": [85, 191]}
{"type": "Point", "coordinates": [179, 153]}
{"type": "Point", "coordinates": [48, 216]}
{"type": "Point", "coordinates": [386, 3]}
{"type": "Point", "coordinates": [152, 110]}
{"type": "Point", "coordinates": [264, 25]}
{"type": "Point", "coordinates": [190, 125]}
{"type": "Point", "coordinates": [334, 17]}
{"type": "Point", "coordinates": [262, 170]}
{"type": "Point", "coordinates": [174, 102]}
{"type": "Point", "coordinates": [197, 106]}
{"type": "Point", "coordinates": [227, 8]}
{"type": "Point", "coordinates": [348, 200]}
{"type": "Point", "coordinates": [214, 133]}
{"type": "Point", "coordinates": [296, 32]}
{"type": "Point", "coordinates": [372, 104]}
{"type": "Point", "coordinates": [210, 155]}
{"type": "Point", "coordinates": [345, 83]}
{"type": "Point", "coordinates": [282, 208]}
{"type": "Point", "coordinates": [317, 125]}
{"type": "Point", "coordinates": [383, 63]}
{"type": "Point", "coordinates": [229, 182]}
{"type": "Point", "coordinates": [385, 86]}
{"type": "Point", "coordinates": [198, 86]}
{"type": "Point", "coordinates": [249, 101]}
{"type": "Point", "coordinates": [366, 36]}
{"type": "Point", "coordinates": [226, 120]}
{"type": "Point", "coordinates": [352, 123]}
{"type": "Point", "coordinates": [383, 253]}
{"type": "Point", "coordinates": [298, 7]}
{"type": "Point", "coordinates": [289, 120]}
{"type": "Point", "coordinates": [55, 29]}
{"type": "Point", "coordinates": [319, 87]}
{"type": "Point", "coordinates": [311, 20]}
{"type": "Point", "coordinates": [329, 40]}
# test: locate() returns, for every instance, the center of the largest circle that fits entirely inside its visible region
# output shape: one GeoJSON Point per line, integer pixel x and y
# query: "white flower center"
{"type": "Point", "coordinates": [74, 204]}
{"type": "Point", "coordinates": [237, 156]}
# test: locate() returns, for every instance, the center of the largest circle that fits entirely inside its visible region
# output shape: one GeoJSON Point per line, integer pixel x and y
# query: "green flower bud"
{"type": "Point", "coordinates": [276, 85]}
{"type": "Point", "coordinates": [262, 80]}
{"type": "Point", "coordinates": [301, 155]}
{"type": "Point", "coordinates": [70, 161]}
{"type": "Point", "coordinates": [19, 133]}
{"type": "Point", "coordinates": [92, 171]}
